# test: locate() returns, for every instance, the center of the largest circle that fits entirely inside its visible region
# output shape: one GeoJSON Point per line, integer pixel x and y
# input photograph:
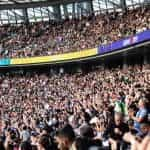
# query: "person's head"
{"type": "Point", "coordinates": [80, 144]}
{"type": "Point", "coordinates": [145, 128]}
{"type": "Point", "coordinates": [65, 137]}
{"type": "Point", "coordinates": [131, 124]}
{"type": "Point", "coordinates": [24, 127]}
{"type": "Point", "coordinates": [46, 130]}
{"type": "Point", "coordinates": [25, 146]}
{"type": "Point", "coordinates": [44, 143]}
{"type": "Point", "coordinates": [142, 103]}
{"type": "Point", "coordinates": [86, 131]}
{"type": "Point", "coordinates": [118, 118]}
{"type": "Point", "coordinates": [5, 123]}
{"type": "Point", "coordinates": [132, 108]}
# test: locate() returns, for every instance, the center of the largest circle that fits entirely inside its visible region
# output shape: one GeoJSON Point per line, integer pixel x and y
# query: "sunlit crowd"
{"type": "Point", "coordinates": [95, 109]}
{"type": "Point", "coordinates": [48, 38]}
{"type": "Point", "coordinates": [101, 108]}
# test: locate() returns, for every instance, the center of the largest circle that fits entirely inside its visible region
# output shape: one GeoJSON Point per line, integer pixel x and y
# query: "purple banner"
{"type": "Point", "coordinates": [138, 38]}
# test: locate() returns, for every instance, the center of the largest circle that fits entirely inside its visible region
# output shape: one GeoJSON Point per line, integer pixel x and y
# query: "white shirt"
{"type": "Point", "coordinates": [25, 135]}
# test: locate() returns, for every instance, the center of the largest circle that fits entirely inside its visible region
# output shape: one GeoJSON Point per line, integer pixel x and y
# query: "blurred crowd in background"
{"type": "Point", "coordinates": [100, 109]}
{"type": "Point", "coordinates": [48, 38]}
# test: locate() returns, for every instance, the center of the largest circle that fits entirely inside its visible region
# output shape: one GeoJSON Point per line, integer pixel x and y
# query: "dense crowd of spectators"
{"type": "Point", "coordinates": [47, 38]}
{"type": "Point", "coordinates": [94, 110]}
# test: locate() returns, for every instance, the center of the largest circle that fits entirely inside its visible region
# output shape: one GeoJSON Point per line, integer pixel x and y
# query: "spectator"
{"type": "Point", "coordinates": [25, 146]}
{"type": "Point", "coordinates": [65, 138]}
{"type": "Point", "coordinates": [116, 130]}
{"type": "Point", "coordinates": [145, 129]}
{"type": "Point", "coordinates": [142, 114]}
{"type": "Point", "coordinates": [25, 135]}
{"type": "Point", "coordinates": [44, 143]}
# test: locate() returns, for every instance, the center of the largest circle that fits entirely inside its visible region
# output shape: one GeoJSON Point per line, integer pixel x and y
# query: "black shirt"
{"type": "Point", "coordinates": [110, 131]}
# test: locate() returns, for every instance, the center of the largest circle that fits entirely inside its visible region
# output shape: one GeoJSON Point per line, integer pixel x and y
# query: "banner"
{"type": "Point", "coordinates": [136, 39]}
{"type": "Point", "coordinates": [54, 58]}
{"type": "Point", "coordinates": [4, 62]}
{"type": "Point", "coordinates": [74, 55]}
{"type": "Point", "coordinates": [32, 60]}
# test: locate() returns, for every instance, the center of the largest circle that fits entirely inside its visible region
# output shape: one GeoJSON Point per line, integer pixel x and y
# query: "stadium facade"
{"type": "Point", "coordinates": [25, 11]}
{"type": "Point", "coordinates": [19, 11]}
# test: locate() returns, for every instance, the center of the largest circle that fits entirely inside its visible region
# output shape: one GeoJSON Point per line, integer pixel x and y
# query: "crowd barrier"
{"type": "Point", "coordinates": [102, 49]}
{"type": "Point", "coordinates": [123, 43]}
{"type": "Point", "coordinates": [4, 62]}
{"type": "Point", "coordinates": [54, 58]}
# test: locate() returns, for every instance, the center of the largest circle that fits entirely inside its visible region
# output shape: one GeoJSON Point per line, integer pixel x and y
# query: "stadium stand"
{"type": "Point", "coordinates": [92, 107]}
{"type": "Point", "coordinates": [44, 103]}
{"type": "Point", "coordinates": [48, 38]}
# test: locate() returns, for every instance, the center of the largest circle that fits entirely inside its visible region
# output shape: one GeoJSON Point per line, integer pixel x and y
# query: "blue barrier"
{"type": "Point", "coordinates": [132, 40]}
{"type": "Point", "coordinates": [4, 62]}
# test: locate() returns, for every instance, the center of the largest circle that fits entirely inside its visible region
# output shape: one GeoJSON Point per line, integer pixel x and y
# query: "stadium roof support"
{"type": "Point", "coordinates": [37, 4]}
{"type": "Point", "coordinates": [19, 11]}
{"type": "Point", "coordinates": [57, 12]}
{"type": "Point", "coordinates": [25, 15]}
{"type": "Point", "coordinates": [88, 9]}
{"type": "Point", "coordinates": [114, 3]}
{"type": "Point", "coordinates": [123, 5]}
{"type": "Point", "coordinates": [120, 4]}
